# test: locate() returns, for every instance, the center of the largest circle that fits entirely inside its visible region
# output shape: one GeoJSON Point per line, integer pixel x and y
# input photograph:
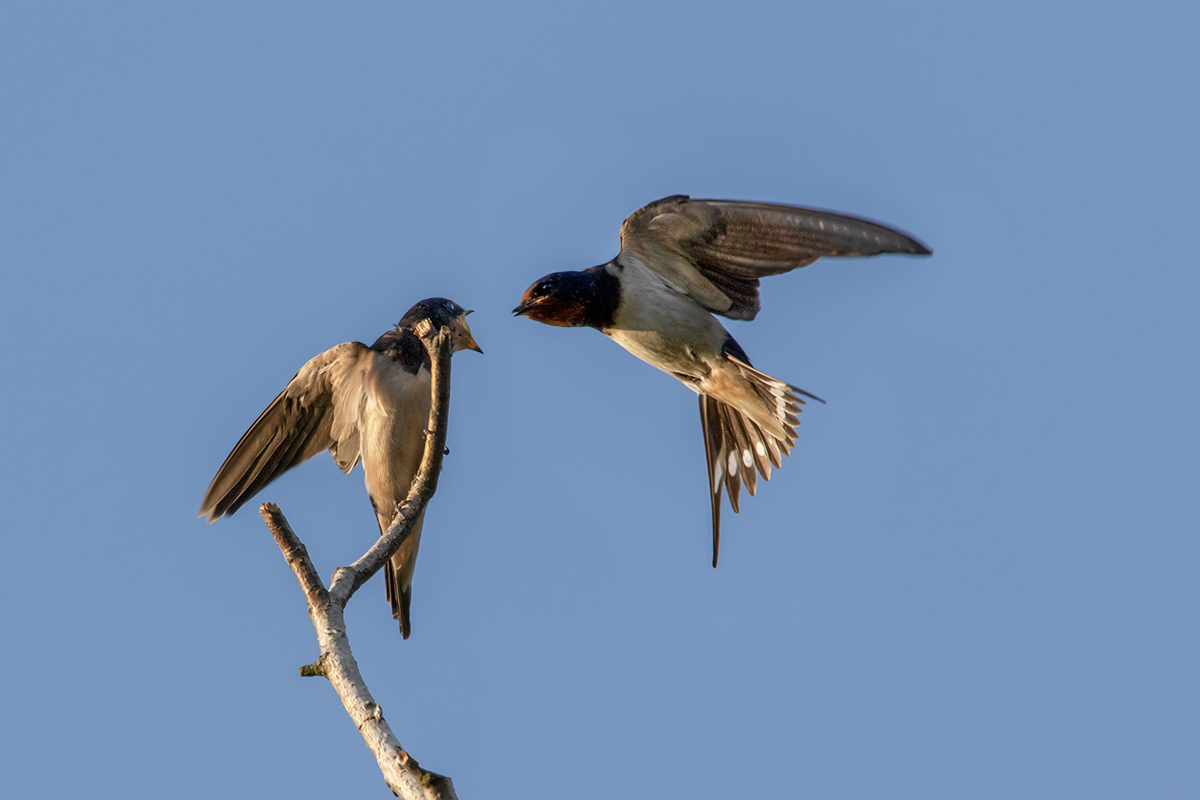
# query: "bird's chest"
{"type": "Point", "coordinates": [665, 328]}
{"type": "Point", "coordinates": [395, 416]}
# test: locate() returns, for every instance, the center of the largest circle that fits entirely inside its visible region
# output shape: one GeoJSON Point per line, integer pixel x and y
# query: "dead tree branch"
{"type": "Point", "coordinates": [401, 772]}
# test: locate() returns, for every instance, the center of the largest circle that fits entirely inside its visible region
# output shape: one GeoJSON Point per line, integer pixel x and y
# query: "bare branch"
{"type": "Point", "coordinates": [401, 772]}
{"type": "Point", "coordinates": [296, 555]}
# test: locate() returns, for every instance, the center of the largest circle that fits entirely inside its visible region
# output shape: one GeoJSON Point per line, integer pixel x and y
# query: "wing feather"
{"type": "Point", "coordinates": [318, 410]}
{"type": "Point", "coordinates": [715, 251]}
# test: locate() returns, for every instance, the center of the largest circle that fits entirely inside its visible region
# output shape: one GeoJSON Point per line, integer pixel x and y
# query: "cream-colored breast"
{"type": "Point", "coordinates": [393, 424]}
{"type": "Point", "coordinates": [663, 327]}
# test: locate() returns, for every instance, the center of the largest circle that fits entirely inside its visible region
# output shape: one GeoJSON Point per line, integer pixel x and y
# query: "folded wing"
{"type": "Point", "coordinates": [319, 410]}
{"type": "Point", "coordinates": [715, 251]}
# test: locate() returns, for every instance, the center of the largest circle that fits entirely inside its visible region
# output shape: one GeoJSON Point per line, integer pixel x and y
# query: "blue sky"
{"type": "Point", "coordinates": [974, 577]}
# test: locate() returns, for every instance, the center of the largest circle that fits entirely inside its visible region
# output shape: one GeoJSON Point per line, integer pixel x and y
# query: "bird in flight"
{"type": "Point", "coordinates": [683, 260]}
{"type": "Point", "coordinates": [368, 404]}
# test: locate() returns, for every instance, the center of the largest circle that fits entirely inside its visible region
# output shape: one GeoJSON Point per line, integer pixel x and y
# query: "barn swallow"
{"type": "Point", "coordinates": [682, 261]}
{"type": "Point", "coordinates": [360, 403]}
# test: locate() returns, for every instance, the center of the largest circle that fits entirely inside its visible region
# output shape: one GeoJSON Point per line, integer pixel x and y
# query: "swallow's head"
{"type": "Point", "coordinates": [572, 299]}
{"type": "Point", "coordinates": [437, 313]}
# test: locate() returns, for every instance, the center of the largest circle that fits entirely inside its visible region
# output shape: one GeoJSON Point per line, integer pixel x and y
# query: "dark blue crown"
{"type": "Point", "coordinates": [438, 310]}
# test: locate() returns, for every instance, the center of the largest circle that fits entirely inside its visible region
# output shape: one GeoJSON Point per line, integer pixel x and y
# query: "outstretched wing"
{"type": "Point", "coordinates": [319, 410]}
{"type": "Point", "coordinates": [715, 251]}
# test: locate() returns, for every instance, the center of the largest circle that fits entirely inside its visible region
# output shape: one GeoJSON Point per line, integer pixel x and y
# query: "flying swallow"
{"type": "Point", "coordinates": [683, 260]}
{"type": "Point", "coordinates": [360, 403]}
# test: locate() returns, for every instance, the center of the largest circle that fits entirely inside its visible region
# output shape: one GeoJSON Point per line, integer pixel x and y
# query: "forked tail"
{"type": "Point", "coordinates": [738, 449]}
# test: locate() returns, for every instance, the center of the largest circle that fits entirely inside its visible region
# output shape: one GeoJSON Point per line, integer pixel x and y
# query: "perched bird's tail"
{"type": "Point", "coordinates": [397, 577]}
{"type": "Point", "coordinates": [736, 445]}
{"type": "Point", "coordinates": [400, 599]}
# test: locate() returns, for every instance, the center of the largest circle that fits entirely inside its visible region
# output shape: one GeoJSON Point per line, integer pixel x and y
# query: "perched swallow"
{"type": "Point", "coordinates": [360, 403]}
{"type": "Point", "coordinates": [682, 261]}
